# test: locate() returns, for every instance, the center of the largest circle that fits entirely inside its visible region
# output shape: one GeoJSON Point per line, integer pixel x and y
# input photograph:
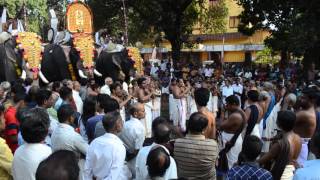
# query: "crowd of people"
{"type": "Point", "coordinates": [235, 124]}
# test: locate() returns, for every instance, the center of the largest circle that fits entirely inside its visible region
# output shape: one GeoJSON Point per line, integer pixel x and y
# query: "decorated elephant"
{"type": "Point", "coordinates": [10, 60]}
{"type": "Point", "coordinates": [114, 63]}
{"type": "Point", "coordinates": [63, 62]}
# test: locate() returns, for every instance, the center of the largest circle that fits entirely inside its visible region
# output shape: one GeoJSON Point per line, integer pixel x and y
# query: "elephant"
{"type": "Point", "coordinates": [114, 64]}
{"type": "Point", "coordinates": [10, 60]}
{"type": "Point", "coordinates": [61, 62]}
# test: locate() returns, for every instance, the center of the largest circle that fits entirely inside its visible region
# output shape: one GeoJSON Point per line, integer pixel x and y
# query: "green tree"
{"type": "Point", "coordinates": [149, 18]}
{"type": "Point", "coordinates": [294, 26]}
{"type": "Point", "coordinates": [37, 12]}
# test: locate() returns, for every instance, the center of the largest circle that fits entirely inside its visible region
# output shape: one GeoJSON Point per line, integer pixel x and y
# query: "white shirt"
{"type": "Point", "coordinates": [64, 137]}
{"type": "Point", "coordinates": [208, 72]}
{"type": "Point", "coordinates": [133, 134]}
{"type": "Point", "coordinates": [237, 88]}
{"type": "Point", "coordinates": [78, 101]}
{"type": "Point", "coordinates": [248, 75]}
{"type": "Point", "coordinates": [227, 91]}
{"type": "Point", "coordinates": [105, 90]}
{"type": "Point", "coordinates": [154, 70]}
{"type": "Point", "coordinates": [163, 66]}
{"type": "Point", "coordinates": [105, 159]}
{"type": "Point", "coordinates": [142, 168]}
{"type": "Point", "coordinates": [27, 159]}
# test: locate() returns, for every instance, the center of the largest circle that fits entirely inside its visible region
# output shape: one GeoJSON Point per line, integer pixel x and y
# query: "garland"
{"type": "Point", "coordinates": [30, 43]}
{"type": "Point", "coordinates": [134, 55]}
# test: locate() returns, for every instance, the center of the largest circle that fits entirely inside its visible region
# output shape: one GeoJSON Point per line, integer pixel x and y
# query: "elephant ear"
{"type": "Point", "coordinates": [50, 35]}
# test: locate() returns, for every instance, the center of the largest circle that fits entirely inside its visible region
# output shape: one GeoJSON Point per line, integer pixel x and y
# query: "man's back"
{"type": "Point", "coordinates": [195, 157]}
{"type": "Point", "coordinates": [66, 138]}
{"type": "Point", "coordinates": [105, 158]}
{"type": "Point", "coordinates": [210, 131]}
{"type": "Point", "coordinates": [133, 134]}
{"type": "Point", "coordinates": [305, 123]}
{"type": "Point", "coordinates": [26, 160]}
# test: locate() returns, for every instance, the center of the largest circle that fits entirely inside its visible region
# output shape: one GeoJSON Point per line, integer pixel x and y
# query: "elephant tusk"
{"type": "Point", "coordinates": [43, 78]}
{"type": "Point", "coordinates": [96, 72]}
{"type": "Point", "coordinates": [23, 75]}
{"type": "Point", "coordinates": [27, 65]}
{"type": "Point", "coordinates": [81, 74]}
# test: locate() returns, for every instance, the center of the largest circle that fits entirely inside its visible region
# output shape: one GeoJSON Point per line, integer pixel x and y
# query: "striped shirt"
{"type": "Point", "coordinates": [195, 157]}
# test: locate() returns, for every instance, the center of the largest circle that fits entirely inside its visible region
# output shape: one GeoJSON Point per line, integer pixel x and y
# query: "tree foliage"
{"type": "Point", "coordinates": [149, 18]}
{"type": "Point", "coordinates": [294, 25]}
{"type": "Point", "coordinates": [37, 12]}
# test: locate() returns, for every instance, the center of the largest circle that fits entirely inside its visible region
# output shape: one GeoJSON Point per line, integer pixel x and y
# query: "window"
{"type": "Point", "coordinates": [233, 21]}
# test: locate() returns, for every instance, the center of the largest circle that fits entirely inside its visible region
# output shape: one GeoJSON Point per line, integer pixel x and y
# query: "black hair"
{"type": "Point", "coordinates": [65, 92]}
{"type": "Point", "coordinates": [42, 95]}
{"type": "Point", "coordinates": [60, 165]}
{"type": "Point", "coordinates": [114, 86]}
{"type": "Point", "coordinates": [35, 125]}
{"type": "Point", "coordinates": [158, 161]}
{"type": "Point", "coordinates": [197, 122]}
{"type": "Point", "coordinates": [202, 96]}
{"type": "Point", "coordinates": [65, 111]}
{"type": "Point", "coordinates": [110, 119]}
{"type": "Point", "coordinates": [140, 81]}
{"type": "Point", "coordinates": [253, 95]}
{"type": "Point", "coordinates": [233, 100]}
{"type": "Point", "coordinates": [101, 99]}
{"type": "Point", "coordinates": [310, 92]}
{"type": "Point", "coordinates": [28, 81]}
{"type": "Point", "coordinates": [161, 133]}
{"type": "Point", "coordinates": [56, 85]}
{"type": "Point", "coordinates": [89, 109]}
{"type": "Point", "coordinates": [110, 105]}
{"type": "Point", "coordinates": [31, 96]}
{"type": "Point", "coordinates": [286, 120]}
{"type": "Point", "coordinates": [18, 88]}
{"type": "Point", "coordinates": [251, 149]}
{"type": "Point", "coordinates": [21, 96]}
{"type": "Point", "coordinates": [157, 121]}
{"type": "Point", "coordinates": [21, 113]}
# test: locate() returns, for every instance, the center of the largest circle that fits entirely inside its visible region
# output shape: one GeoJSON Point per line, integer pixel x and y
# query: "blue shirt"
{"type": "Point", "coordinates": [310, 170]}
{"type": "Point", "coordinates": [248, 171]}
{"type": "Point", "coordinates": [91, 126]}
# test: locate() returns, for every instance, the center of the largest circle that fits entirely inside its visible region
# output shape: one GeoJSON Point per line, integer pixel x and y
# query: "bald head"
{"type": "Point", "coordinates": [108, 81]}
{"type": "Point", "coordinates": [137, 110]}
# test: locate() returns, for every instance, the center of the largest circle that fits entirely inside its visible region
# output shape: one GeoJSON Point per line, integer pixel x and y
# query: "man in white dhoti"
{"type": "Point", "coordinates": [231, 129]}
{"type": "Point", "coordinates": [145, 95]}
{"type": "Point", "coordinates": [180, 93]}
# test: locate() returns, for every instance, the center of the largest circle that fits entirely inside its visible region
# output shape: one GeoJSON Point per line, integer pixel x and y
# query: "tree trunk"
{"type": "Point", "coordinates": [284, 59]}
{"type": "Point", "coordinates": [312, 55]}
{"type": "Point", "coordinates": [175, 48]}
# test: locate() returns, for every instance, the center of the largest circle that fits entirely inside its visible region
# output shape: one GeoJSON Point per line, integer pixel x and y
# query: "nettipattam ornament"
{"type": "Point", "coordinates": [134, 55]}
{"type": "Point", "coordinates": [31, 45]}
{"type": "Point", "coordinates": [84, 45]}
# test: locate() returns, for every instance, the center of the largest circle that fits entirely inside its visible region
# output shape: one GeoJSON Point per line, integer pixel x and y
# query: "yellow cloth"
{"type": "Point", "coordinates": [6, 158]}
